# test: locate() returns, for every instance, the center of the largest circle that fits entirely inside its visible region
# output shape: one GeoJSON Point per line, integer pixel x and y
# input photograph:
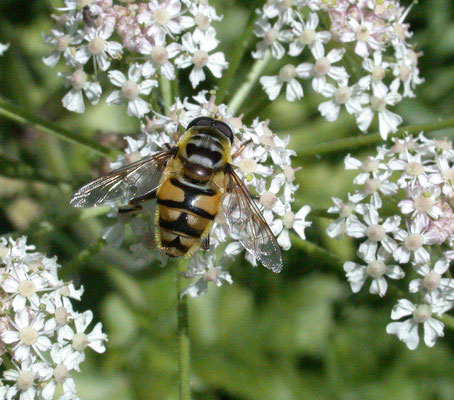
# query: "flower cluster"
{"type": "Point", "coordinates": [403, 216]}
{"type": "Point", "coordinates": [42, 339]}
{"type": "Point", "coordinates": [3, 48]}
{"type": "Point", "coordinates": [264, 165]}
{"type": "Point", "coordinates": [370, 66]}
{"type": "Point", "coordinates": [155, 37]}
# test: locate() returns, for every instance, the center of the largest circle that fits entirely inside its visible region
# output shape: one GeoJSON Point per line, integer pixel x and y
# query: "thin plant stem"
{"type": "Point", "coordinates": [166, 91]}
{"type": "Point", "coordinates": [241, 94]}
{"type": "Point", "coordinates": [318, 252]}
{"type": "Point", "coordinates": [183, 339]}
{"type": "Point", "coordinates": [448, 320]}
{"type": "Point", "coordinates": [240, 49]}
{"type": "Point", "coordinates": [368, 140]}
{"type": "Point", "coordinates": [18, 114]}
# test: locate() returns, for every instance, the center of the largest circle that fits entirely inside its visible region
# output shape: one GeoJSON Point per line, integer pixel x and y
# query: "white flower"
{"type": "Point", "coordinates": [3, 48]}
{"type": "Point", "coordinates": [377, 67]}
{"type": "Point", "coordinates": [352, 97]}
{"type": "Point", "coordinates": [432, 280]}
{"type": "Point", "coordinates": [297, 222]}
{"type": "Point", "coordinates": [387, 120]}
{"type": "Point", "coordinates": [374, 186]}
{"type": "Point", "coordinates": [423, 201]}
{"type": "Point", "coordinates": [444, 175]}
{"type": "Point", "coordinates": [98, 47]}
{"type": "Point", "coordinates": [131, 88]}
{"type": "Point", "coordinates": [159, 56]}
{"type": "Point", "coordinates": [287, 75]}
{"type": "Point", "coordinates": [272, 36]}
{"type": "Point", "coordinates": [346, 211]}
{"type": "Point", "coordinates": [28, 333]}
{"type": "Point", "coordinates": [63, 43]}
{"type": "Point", "coordinates": [24, 379]}
{"type": "Point", "coordinates": [376, 268]}
{"type": "Point", "coordinates": [365, 33]}
{"type": "Point", "coordinates": [74, 99]}
{"type": "Point", "coordinates": [374, 231]}
{"type": "Point", "coordinates": [407, 330]}
{"type": "Point", "coordinates": [197, 47]}
{"type": "Point", "coordinates": [323, 68]}
{"type": "Point", "coordinates": [306, 35]}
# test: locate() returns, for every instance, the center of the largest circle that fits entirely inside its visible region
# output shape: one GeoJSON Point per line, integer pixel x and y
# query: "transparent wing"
{"type": "Point", "coordinates": [123, 184]}
{"type": "Point", "coordinates": [246, 222]}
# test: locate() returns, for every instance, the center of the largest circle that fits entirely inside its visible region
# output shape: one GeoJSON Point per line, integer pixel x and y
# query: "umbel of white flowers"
{"type": "Point", "coordinates": [40, 334]}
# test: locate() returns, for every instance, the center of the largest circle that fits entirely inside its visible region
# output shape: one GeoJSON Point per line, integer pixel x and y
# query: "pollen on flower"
{"type": "Point", "coordinates": [423, 204]}
{"type": "Point", "coordinates": [422, 313]}
{"type": "Point", "coordinates": [78, 79]}
{"type": "Point", "coordinates": [28, 335]}
{"type": "Point", "coordinates": [346, 209]}
{"type": "Point", "coordinates": [200, 58]}
{"type": "Point", "coordinates": [268, 199]}
{"type": "Point", "coordinates": [247, 165]}
{"type": "Point", "coordinates": [287, 73]}
{"type": "Point", "coordinates": [414, 241]}
{"type": "Point", "coordinates": [27, 288]}
{"type": "Point", "coordinates": [25, 380]}
{"type": "Point", "coordinates": [271, 36]}
{"type": "Point", "coordinates": [202, 21]}
{"type": "Point", "coordinates": [343, 94]}
{"type": "Point", "coordinates": [432, 281]}
{"type": "Point", "coordinates": [448, 175]}
{"type": "Point", "coordinates": [80, 341]}
{"type": "Point", "coordinates": [159, 55]}
{"type": "Point", "coordinates": [370, 165]}
{"type": "Point", "coordinates": [414, 168]}
{"type": "Point", "coordinates": [64, 291]}
{"type": "Point", "coordinates": [378, 73]}
{"type": "Point", "coordinates": [96, 45]}
{"type": "Point", "coordinates": [61, 316]}
{"type": "Point", "coordinates": [288, 219]}
{"type": "Point", "coordinates": [307, 37]}
{"type": "Point", "coordinates": [371, 185]}
{"type": "Point", "coordinates": [377, 103]}
{"type": "Point", "coordinates": [376, 269]}
{"type": "Point", "coordinates": [63, 42]}
{"type": "Point", "coordinates": [161, 16]}
{"type": "Point", "coordinates": [60, 373]}
{"type": "Point", "coordinates": [322, 66]}
{"type": "Point", "coordinates": [130, 90]}
{"type": "Point", "coordinates": [376, 232]}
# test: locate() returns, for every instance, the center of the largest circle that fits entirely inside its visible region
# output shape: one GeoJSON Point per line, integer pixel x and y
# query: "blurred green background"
{"type": "Point", "coordinates": [300, 334]}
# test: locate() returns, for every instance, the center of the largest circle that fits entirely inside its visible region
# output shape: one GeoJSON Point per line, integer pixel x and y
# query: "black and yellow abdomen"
{"type": "Point", "coordinates": [184, 215]}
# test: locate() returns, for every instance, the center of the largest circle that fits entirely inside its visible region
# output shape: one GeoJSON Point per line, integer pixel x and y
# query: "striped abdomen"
{"type": "Point", "coordinates": [185, 214]}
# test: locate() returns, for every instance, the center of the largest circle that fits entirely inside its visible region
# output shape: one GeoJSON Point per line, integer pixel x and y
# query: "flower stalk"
{"type": "Point", "coordinates": [183, 338]}
{"type": "Point", "coordinates": [17, 114]}
{"type": "Point", "coordinates": [241, 94]}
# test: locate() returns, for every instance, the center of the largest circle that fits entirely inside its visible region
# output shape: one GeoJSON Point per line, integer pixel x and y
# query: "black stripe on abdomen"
{"type": "Point", "coordinates": [184, 205]}
{"type": "Point", "coordinates": [180, 226]}
{"type": "Point", "coordinates": [192, 191]}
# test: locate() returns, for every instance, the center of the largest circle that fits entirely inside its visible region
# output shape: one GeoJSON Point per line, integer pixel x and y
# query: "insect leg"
{"type": "Point", "coordinates": [206, 243]}
{"type": "Point", "coordinates": [129, 209]}
{"type": "Point", "coordinates": [241, 149]}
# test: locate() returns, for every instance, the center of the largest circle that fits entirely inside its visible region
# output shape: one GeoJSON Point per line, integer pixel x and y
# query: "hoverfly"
{"type": "Point", "coordinates": [191, 182]}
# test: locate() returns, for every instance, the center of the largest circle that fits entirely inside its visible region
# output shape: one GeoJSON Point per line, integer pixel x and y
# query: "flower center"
{"type": "Point", "coordinates": [371, 185]}
{"type": "Point", "coordinates": [61, 316]}
{"type": "Point", "coordinates": [79, 79]}
{"type": "Point", "coordinates": [405, 73]}
{"type": "Point", "coordinates": [362, 34]}
{"type": "Point", "coordinates": [287, 73]}
{"type": "Point", "coordinates": [289, 173]}
{"type": "Point", "coordinates": [343, 94]}
{"type": "Point", "coordinates": [422, 313]}
{"type": "Point", "coordinates": [423, 204]}
{"type": "Point", "coordinates": [414, 168]}
{"type": "Point", "coordinates": [200, 58]}
{"type": "Point", "coordinates": [159, 55]}
{"type": "Point", "coordinates": [443, 144]}
{"type": "Point", "coordinates": [36, 265]}
{"type": "Point", "coordinates": [28, 335]}
{"type": "Point", "coordinates": [398, 148]}
{"type": "Point", "coordinates": [271, 36]}
{"type": "Point", "coordinates": [400, 31]}
{"type": "Point", "coordinates": [289, 219]}
{"type": "Point", "coordinates": [161, 16]}
{"type": "Point", "coordinates": [377, 104]}
{"type": "Point", "coordinates": [3, 251]}
{"type": "Point", "coordinates": [63, 42]}
{"type": "Point", "coordinates": [268, 199]}
{"type": "Point", "coordinates": [96, 45]}
{"type": "Point", "coordinates": [27, 288]}
{"type": "Point", "coordinates": [61, 373]}
{"type": "Point", "coordinates": [202, 21]}
{"type": "Point", "coordinates": [80, 341]}
{"type": "Point", "coordinates": [448, 175]}
{"type": "Point", "coordinates": [370, 165]}
{"type": "Point", "coordinates": [307, 37]}
{"type": "Point", "coordinates": [64, 291]}
{"type": "Point", "coordinates": [322, 66]}
{"type": "Point", "coordinates": [346, 210]}
{"type": "Point", "coordinates": [414, 241]}
{"type": "Point", "coordinates": [211, 275]}
{"type": "Point", "coordinates": [130, 90]}
{"type": "Point", "coordinates": [376, 269]}
{"type": "Point", "coordinates": [432, 281]}
{"type": "Point", "coordinates": [25, 381]}
{"type": "Point", "coordinates": [376, 233]}
{"type": "Point", "coordinates": [268, 141]}
{"type": "Point", "coordinates": [378, 73]}
{"type": "Point", "coordinates": [247, 165]}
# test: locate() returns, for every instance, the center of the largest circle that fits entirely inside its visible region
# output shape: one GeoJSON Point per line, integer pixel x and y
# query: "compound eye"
{"type": "Point", "coordinates": [201, 121]}
{"type": "Point", "coordinates": [224, 129]}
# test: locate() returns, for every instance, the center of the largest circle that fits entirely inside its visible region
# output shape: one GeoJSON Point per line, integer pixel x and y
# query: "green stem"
{"type": "Point", "coordinates": [369, 140]}
{"type": "Point", "coordinates": [241, 94]}
{"type": "Point", "coordinates": [16, 113]}
{"type": "Point", "coordinates": [314, 250]}
{"type": "Point", "coordinates": [19, 170]}
{"type": "Point", "coordinates": [448, 320]}
{"type": "Point", "coordinates": [183, 339]}
{"type": "Point", "coordinates": [166, 91]}
{"type": "Point", "coordinates": [239, 50]}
